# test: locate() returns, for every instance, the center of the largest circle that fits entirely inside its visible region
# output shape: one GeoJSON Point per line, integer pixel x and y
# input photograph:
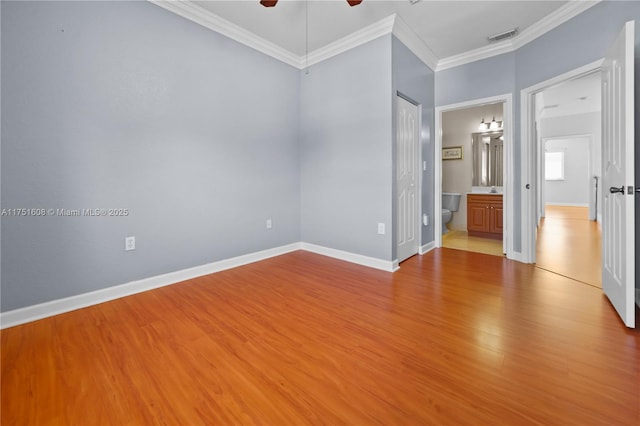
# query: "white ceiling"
{"type": "Point", "coordinates": [448, 28]}
{"type": "Point", "coordinates": [578, 96]}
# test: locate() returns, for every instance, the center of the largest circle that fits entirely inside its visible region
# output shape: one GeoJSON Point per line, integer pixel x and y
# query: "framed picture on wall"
{"type": "Point", "coordinates": [452, 153]}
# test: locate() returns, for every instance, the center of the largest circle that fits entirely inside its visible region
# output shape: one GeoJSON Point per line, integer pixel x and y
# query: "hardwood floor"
{"type": "Point", "coordinates": [452, 338]}
{"type": "Point", "coordinates": [460, 240]}
{"type": "Point", "coordinates": [570, 244]}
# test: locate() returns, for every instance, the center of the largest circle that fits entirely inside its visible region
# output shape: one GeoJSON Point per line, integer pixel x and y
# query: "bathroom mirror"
{"type": "Point", "coordinates": [486, 157]}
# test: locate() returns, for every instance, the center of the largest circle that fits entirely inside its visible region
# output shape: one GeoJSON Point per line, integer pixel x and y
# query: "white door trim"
{"type": "Point", "coordinates": [508, 194]}
{"type": "Point", "coordinates": [528, 147]}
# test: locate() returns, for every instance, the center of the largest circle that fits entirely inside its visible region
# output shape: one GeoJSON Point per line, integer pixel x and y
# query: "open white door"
{"type": "Point", "coordinates": [407, 161]}
{"type": "Point", "coordinates": [618, 233]}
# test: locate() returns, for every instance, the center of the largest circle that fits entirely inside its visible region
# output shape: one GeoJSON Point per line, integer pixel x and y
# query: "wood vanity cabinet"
{"type": "Point", "coordinates": [484, 215]}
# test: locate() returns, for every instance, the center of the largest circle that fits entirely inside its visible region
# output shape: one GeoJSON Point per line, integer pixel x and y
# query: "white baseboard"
{"type": "Point", "coordinates": [372, 262]}
{"type": "Point", "coordinates": [427, 247]}
{"type": "Point", "coordinates": [67, 304]}
{"type": "Point", "coordinates": [516, 255]}
{"type": "Point", "coordinates": [59, 306]}
{"type": "Point", "coordinates": [566, 204]}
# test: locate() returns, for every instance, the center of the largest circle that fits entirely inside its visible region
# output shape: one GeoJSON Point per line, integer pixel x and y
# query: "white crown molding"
{"type": "Point", "coordinates": [475, 55]}
{"type": "Point", "coordinates": [203, 17]}
{"type": "Point", "coordinates": [553, 20]}
{"type": "Point", "coordinates": [391, 24]}
{"type": "Point", "coordinates": [548, 23]}
{"type": "Point", "coordinates": [366, 34]}
{"type": "Point", "coordinates": [209, 20]}
{"type": "Point", "coordinates": [409, 38]}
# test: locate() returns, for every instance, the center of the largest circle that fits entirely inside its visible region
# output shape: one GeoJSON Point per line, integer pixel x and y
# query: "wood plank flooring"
{"type": "Point", "coordinates": [453, 337]}
{"type": "Point", "coordinates": [460, 240]}
{"type": "Point", "coordinates": [570, 244]}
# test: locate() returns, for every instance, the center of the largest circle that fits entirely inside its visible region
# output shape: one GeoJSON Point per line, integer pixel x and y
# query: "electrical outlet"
{"type": "Point", "coordinates": [424, 166]}
{"type": "Point", "coordinates": [425, 220]}
{"type": "Point", "coordinates": [269, 224]}
{"type": "Point", "coordinates": [381, 228]}
{"type": "Point", "coordinates": [130, 243]}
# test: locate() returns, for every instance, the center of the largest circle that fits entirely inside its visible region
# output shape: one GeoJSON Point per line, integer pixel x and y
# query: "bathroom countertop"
{"type": "Point", "coordinates": [484, 193]}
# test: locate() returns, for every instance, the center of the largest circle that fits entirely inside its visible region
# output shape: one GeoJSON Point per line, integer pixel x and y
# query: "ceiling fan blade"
{"type": "Point", "coordinates": [272, 3]}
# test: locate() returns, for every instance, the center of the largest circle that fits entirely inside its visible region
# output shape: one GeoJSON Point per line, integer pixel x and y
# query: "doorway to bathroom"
{"type": "Point", "coordinates": [473, 154]}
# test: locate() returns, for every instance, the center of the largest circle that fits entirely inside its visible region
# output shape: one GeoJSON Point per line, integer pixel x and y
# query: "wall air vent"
{"type": "Point", "coordinates": [503, 36]}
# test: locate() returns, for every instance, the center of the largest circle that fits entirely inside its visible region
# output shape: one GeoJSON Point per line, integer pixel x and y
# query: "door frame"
{"type": "Point", "coordinates": [509, 167]}
{"type": "Point", "coordinates": [529, 156]}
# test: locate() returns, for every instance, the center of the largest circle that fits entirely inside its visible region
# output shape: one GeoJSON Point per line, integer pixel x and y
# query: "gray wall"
{"type": "Point", "coordinates": [346, 151]}
{"type": "Point", "coordinates": [574, 189]}
{"type": "Point", "coordinates": [578, 42]}
{"type": "Point", "coordinates": [580, 124]}
{"type": "Point", "coordinates": [412, 78]}
{"type": "Point", "coordinates": [476, 80]}
{"type": "Point", "coordinates": [126, 105]}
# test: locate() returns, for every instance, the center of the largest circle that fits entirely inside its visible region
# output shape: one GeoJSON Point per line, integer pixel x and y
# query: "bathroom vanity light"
{"type": "Point", "coordinates": [493, 126]}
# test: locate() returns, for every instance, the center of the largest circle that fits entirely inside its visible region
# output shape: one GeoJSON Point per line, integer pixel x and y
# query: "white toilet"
{"type": "Point", "coordinates": [450, 204]}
